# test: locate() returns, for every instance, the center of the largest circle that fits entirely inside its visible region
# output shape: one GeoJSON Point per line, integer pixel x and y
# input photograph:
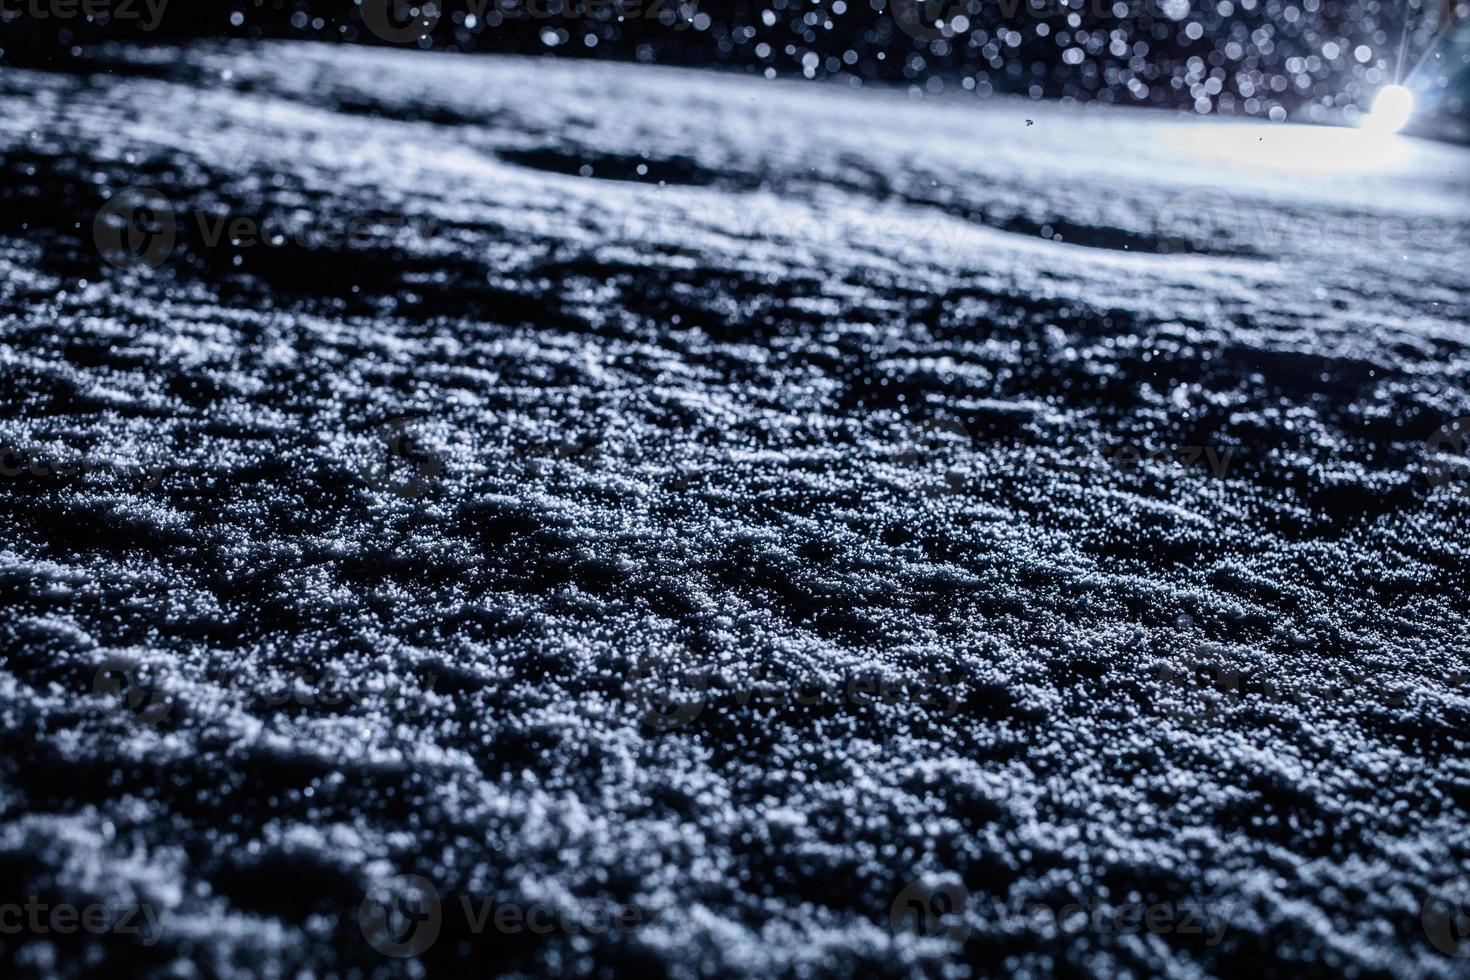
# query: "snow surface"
{"type": "Point", "coordinates": [548, 537]}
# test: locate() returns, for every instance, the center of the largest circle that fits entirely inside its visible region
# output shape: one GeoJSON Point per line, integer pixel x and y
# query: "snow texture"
{"type": "Point", "coordinates": [835, 530]}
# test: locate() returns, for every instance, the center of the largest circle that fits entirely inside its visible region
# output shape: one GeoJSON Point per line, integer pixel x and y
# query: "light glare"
{"type": "Point", "coordinates": [1391, 110]}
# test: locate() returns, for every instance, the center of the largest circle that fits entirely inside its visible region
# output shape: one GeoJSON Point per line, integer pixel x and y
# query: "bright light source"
{"type": "Point", "coordinates": [1391, 110]}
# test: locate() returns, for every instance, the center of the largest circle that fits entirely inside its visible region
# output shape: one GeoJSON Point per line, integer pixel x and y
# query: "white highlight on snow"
{"type": "Point", "coordinates": [1256, 148]}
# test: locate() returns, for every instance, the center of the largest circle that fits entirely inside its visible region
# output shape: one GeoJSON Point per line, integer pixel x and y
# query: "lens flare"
{"type": "Point", "coordinates": [1391, 110]}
